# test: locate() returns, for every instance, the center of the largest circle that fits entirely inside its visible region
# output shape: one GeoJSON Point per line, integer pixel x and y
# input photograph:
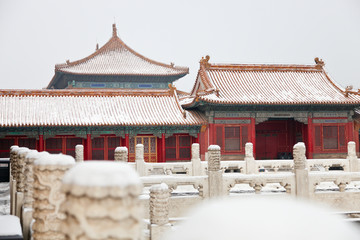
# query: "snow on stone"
{"type": "Point", "coordinates": [121, 149]}
{"type": "Point", "coordinates": [54, 159]}
{"type": "Point", "coordinates": [59, 108]}
{"type": "Point", "coordinates": [10, 226]}
{"type": "Point", "coordinates": [159, 187]}
{"type": "Point", "coordinates": [263, 218]}
{"type": "Point", "coordinates": [102, 174]}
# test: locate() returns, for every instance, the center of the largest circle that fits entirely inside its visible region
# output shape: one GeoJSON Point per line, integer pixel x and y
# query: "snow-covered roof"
{"type": "Point", "coordinates": [116, 58]}
{"type": "Point", "coordinates": [268, 84]}
{"type": "Point", "coordinates": [123, 107]}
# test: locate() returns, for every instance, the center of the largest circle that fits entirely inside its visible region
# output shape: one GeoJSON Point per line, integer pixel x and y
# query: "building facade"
{"type": "Point", "coordinates": [117, 97]}
{"type": "Point", "coordinates": [274, 107]}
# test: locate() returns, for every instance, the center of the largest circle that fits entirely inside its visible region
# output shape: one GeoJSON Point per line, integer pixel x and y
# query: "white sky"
{"type": "Point", "coordinates": [36, 35]}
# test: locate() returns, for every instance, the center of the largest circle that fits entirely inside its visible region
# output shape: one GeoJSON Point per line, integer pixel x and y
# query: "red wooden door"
{"type": "Point", "coordinates": [267, 145]}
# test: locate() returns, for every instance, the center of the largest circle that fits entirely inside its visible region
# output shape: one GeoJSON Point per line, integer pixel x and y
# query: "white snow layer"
{"type": "Point", "coordinates": [10, 225]}
{"type": "Point", "coordinates": [102, 174]}
{"type": "Point", "coordinates": [263, 218]}
{"type": "Point", "coordinates": [54, 159]}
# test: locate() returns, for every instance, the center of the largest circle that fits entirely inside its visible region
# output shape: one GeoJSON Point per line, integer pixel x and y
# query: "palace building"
{"type": "Point", "coordinates": [274, 107]}
{"type": "Point", "coordinates": [114, 97]}
{"type": "Point", "coordinates": [117, 97]}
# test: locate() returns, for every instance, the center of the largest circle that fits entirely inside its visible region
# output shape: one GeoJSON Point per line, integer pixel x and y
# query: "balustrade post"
{"type": "Point", "coordinates": [159, 210]}
{"type": "Point", "coordinates": [352, 157]}
{"type": "Point", "coordinates": [13, 156]}
{"type": "Point", "coordinates": [214, 172]}
{"type": "Point", "coordinates": [249, 159]}
{"type": "Point", "coordinates": [27, 210]}
{"type": "Point", "coordinates": [121, 154]}
{"type": "Point", "coordinates": [20, 180]}
{"type": "Point", "coordinates": [301, 171]}
{"type": "Point", "coordinates": [195, 159]}
{"type": "Point", "coordinates": [139, 160]}
{"type": "Point", "coordinates": [102, 202]}
{"type": "Point", "coordinates": [79, 153]}
{"type": "Point", "coordinates": [48, 173]}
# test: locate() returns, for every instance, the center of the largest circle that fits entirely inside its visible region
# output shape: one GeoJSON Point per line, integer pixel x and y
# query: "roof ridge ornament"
{"type": "Point", "coordinates": [205, 61]}
{"type": "Point", "coordinates": [97, 47]}
{"type": "Point", "coordinates": [114, 30]}
{"type": "Point", "coordinates": [319, 62]}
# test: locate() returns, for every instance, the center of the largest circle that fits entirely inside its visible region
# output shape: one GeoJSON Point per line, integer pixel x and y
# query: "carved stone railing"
{"type": "Point", "coordinates": [340, 179]}
{"type": "Point", "coordinates": [258, 181]}
{"type": "Point", "coordinates": [199, 183]}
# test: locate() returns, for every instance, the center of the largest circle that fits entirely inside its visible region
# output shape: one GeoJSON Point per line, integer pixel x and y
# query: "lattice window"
{"type": "Point", "coordinates": [54, 145]}
{"type": "Point", "coordinates": [170, 149]}
{"type": "Point", "coordinates": [150, 147]}
{"type": "Point", "coordinates": [231, 138]}
{"type": "Point", "coordinates": [330, 137]}
{"type": "Point", "coordinates": [98, 148]}
{"type": "Point", "coordinates": [178, 147]}
{"type": "Point", "coordinates": [5, 145]}
{"type": "Point", "coordinates": [70, 145]}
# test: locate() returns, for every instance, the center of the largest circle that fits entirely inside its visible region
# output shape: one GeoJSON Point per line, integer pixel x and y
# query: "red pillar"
{"type": "Point", "coordinates": [211, 134]}
{"type": "Point", "coordinates": [196, 140]}
{"type": "Point", "coordinates": [41, 142]}
{"type": "Point", "coordinates": [310, 136]}
{"type": "Point", "coordinates": [127, 142]}
{"type": "Point", "coordinates": [88, 147]}
{"type": "Point", "coordinates": [253, 135]}
{"type": "Point", "coordinates": [350, 127]}
{"type": "Point", "coordinates": [163, 152]}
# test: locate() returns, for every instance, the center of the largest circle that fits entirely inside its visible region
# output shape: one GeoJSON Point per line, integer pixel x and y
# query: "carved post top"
{"type": "Point", "coordinates": [299, 156]}
{"type": "Point", "coordinates": [54, 159]}
{"type": "Point", "coordinates": [159, 188]}
{"type": "Point", "coordinates": [214, 158]}
{"type": "Point", "coordinates": [351, 149]}
{"type": "Point", "coordinates": [99, 179]}
{"type": "Point", "coordinates": [34, 154]}
{"type": "Point", "coordinates": [249, 149]}
{"type": "Point", "coordinates": [13, 147]}
{"type": "Point", "coordinates": [139, 152]}
{"type": "Point", "coordinates": [23, 152]}
{"type": "Point", "coordinates": [121, 149]}
{"type": "Point", "coordinates": [79, 146]}
{"type": "Point", "coordinates": [195, 151]}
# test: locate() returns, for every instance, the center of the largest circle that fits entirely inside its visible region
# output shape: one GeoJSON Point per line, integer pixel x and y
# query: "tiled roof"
{"type": "Point", "coordinates": [25, 108]}
{"type": "Point", "coordinates": [116, 58]}
{"type": "Point", "coordinates": [268, 84]}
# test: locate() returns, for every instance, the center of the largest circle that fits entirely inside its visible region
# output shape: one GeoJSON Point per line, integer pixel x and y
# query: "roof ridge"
{"type": "Point", "coordinates": [84, 92]}
{"type": "Point", "coordinates": [113, 44]}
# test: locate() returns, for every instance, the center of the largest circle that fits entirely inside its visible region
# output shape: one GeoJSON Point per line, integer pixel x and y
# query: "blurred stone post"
{"type": "Point", "coordinates": [121, 154]}
{"type": "Point", "coordinates": [353, 159]}
{"type": "Point", "coordinates": [139, 160]}
{"type": "Point", "coordinates": [20, 180]}
{"type": "Point", "coordinates": [79, 153]}
{"type": "Point", "coordinates": [48, 173]}
{"type": "Point", "coordinates": [249, 159]}
{"type": "Point", "coordinates": [300, 170]}
{"type": "Point", "coordinates": [13, 156]}
{"type": "Point", "coordinates": [215, 176]}
{"type": "Point", "coordinates": [159, 210]}
{"type": "Point", "coordinates": [102, 201]}
{"type": "Point", "coordinates": [195, 159]}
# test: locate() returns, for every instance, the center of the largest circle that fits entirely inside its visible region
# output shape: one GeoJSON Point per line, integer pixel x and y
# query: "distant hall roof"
{"type": "Point", "coordinates": [116, 58]}
{"type": "Point", "coordinates": [266, 84]}
{"type": "Point", "coordinates": [33, 108]}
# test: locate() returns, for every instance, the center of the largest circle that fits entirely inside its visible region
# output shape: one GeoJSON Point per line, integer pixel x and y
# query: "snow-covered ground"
{"type": "Point", "coordinates": [4, 198]}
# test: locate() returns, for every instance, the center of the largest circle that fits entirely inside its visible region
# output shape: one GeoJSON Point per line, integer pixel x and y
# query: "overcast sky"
{"type": "Point", "coordinates": [36, 35]}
